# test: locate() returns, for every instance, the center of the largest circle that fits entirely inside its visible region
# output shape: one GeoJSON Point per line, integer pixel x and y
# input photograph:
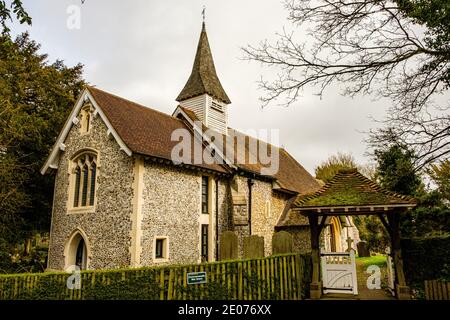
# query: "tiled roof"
{"type": "Point", "coordinates": [350, 188]}
{"type": "Point", "coordinates": [203, 78]}
{"type": "Point", "coordinates": [289, 218]}
{"type": "Point", "coordinates": [148, 132]}
{"type": "Point", "coordinates": [145, 131]}
{"type": "Point", "coordinates": [291, 176]}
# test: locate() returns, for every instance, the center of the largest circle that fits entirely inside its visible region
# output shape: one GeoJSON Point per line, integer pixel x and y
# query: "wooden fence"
{"type": "Point", "coordinates": [277, 277]}
{"type": "Point", "coordinates": [437, 290]}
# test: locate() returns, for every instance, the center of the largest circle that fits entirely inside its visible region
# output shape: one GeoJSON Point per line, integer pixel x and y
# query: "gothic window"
{"type": "Point", "coordinates": [204, 241]}
{"type": "Point", "coordinates": [84, 172]}
{"type": "Point", "coordinates": [85, 119]}
{"type": "Point", "coordinates": [205, 195]}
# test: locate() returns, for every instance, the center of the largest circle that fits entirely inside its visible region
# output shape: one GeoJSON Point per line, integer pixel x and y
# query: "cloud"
{"type": "Point", "coordinates": [144, 50]}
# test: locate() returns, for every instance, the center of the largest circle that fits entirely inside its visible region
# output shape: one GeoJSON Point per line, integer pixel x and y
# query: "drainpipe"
{"type": "Point", "coordinates": [217, 220]}
{"type": "Point", "coordinates": [250, 183]}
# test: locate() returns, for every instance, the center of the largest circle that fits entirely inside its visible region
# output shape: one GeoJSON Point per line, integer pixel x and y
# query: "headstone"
{"type": "Point", "coordinates": [253, 247]}
{"type": "Point", "coordinates": [282, 242]}
{"type": "Point", "coordinates": [362, 249]}
{"type": "Point", "coordinates": [349, 243]}
{"type": "Point", "coordinates": [229, 249]}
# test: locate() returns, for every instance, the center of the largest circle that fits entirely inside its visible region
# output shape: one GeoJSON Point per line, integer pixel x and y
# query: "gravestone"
{"type": "Point", "coordinates": [362, 249]}
{"type": "Point", "coordinates": [349, 244]}
{"type": "Point", "coordinates": [229, 249]}
{"type": "Point", "coordinates": [253, 247]}
{"type": "Point", "coordinates": [282, 242]}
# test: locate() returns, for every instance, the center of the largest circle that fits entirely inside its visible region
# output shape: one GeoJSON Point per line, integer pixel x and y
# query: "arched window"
{"type": "Point", "coordinates": [84, 180]}
{"type": "Point", "coordinates": [77, 251]}
{"type": "Point", "coordinates": [85, 119]}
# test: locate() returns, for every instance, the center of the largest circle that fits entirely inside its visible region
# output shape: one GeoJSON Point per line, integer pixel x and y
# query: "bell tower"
{"type": "Point", "coordinates": [203, 93]}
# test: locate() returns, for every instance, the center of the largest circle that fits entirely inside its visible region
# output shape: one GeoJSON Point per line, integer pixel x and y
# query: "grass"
{"type": "Point", "coordinates": [362, 263]}
{"type": "Point", "coordinates": [379, 260]}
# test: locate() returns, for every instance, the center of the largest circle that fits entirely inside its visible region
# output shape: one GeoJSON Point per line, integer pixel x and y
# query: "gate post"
{"type": "Point", "coordinates": [401, 289]}
{"type": "Point", "coordinates": [316, 284]}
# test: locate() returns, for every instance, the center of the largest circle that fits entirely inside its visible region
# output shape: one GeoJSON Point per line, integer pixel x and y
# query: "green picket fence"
{"type": "Point", "coordinates": [272, 278]}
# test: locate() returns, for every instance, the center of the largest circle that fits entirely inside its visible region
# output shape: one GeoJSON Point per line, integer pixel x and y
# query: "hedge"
{"type": "Point", "coordinates": [277, 277]}
{"type": "Point", "coordinates": [426, 259]}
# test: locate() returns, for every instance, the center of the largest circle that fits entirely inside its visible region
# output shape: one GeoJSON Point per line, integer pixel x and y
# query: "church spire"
{"type": "Point", "coordinates": [203, 78]}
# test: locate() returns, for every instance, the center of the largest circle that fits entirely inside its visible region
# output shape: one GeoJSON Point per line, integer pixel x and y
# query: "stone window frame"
{"type": "Point", "coordinates": [86, 114]}
{"type": "Point", "coordinates": [72, 182]}
{"type": "Point", "coordinates": [166, 249]}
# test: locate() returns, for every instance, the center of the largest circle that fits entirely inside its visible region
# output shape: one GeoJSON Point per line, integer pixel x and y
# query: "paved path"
{"type": "Point", "coordinates": [363, 292]}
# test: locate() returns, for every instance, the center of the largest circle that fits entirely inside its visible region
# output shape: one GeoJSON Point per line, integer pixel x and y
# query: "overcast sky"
{"type": "Point", "coordinates": [143, 50]}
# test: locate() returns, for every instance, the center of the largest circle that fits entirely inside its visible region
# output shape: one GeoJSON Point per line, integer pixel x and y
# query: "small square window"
{"type": "Point", "coordinates": [161, 248]}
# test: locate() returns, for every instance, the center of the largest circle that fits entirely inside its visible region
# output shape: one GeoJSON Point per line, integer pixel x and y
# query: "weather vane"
{"type": "Point", "coordinates": [203, 13]}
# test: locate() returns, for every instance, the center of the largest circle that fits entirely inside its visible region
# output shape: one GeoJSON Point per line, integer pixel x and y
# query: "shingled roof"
{"type": "Point", "coordinates": [290, 176]}
{"type": "Point", "coordinates": [203, 78]}
{"type": "Point", "coordinates": [145, 131]}
{"type": "Point", "coordinates": [351, 188]}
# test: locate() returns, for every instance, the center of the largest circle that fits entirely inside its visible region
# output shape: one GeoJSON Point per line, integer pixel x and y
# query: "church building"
{"type": "Point", "coordinates": [122, 200]}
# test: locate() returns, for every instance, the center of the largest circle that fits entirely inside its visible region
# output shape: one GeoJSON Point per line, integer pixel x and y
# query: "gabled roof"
{"type": "Point", "coordinates": [145, 131]}
{"type": "Point", "coordinates": [203, 78]}
{"type": "Point", "coordinates": [139, 130]}
{"type": "Point", "coordinates": [291, 176]}
{"type": "Point", "coordinates": [349, 188]}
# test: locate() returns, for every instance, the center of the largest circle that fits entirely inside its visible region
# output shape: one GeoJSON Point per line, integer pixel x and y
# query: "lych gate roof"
{"type": "Point", "coordinates": [349, 188]}
{"type": "Point", "coordinates": [203, 78]}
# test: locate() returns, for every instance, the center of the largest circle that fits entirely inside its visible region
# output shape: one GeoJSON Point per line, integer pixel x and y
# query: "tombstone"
{"type": "Point", "coordinates": [229, 249]}
{"type": "Point", "coordinates": [362, 249]}
{"type": "Point", "coordinates": [253, 247]}
{"type": "Point", "coordinates": [349, 244]}
{"type": "Point", "coordinates": [282, 242]}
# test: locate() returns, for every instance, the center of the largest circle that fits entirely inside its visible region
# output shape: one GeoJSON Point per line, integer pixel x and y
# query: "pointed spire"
{"type": "Point", "coordinates": [203, 78]}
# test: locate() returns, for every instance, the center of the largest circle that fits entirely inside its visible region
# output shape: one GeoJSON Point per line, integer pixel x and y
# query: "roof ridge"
{"type": "Point", "coordinates": [246, 135]}
{"type": "Point", "coordinates": [379, 188]}
{"type": "Point", "coordinates": [301, 199]}
{"type": "Point", "coordinates": [133, 102]}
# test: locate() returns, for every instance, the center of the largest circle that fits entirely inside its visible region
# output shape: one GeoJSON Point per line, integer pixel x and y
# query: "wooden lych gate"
{"type": "Point", "coordinates": [350, 193]}
{"type": "Point", "coordinates": [339, 272]}
{"type": "Point", "coordinates": [390, 271]}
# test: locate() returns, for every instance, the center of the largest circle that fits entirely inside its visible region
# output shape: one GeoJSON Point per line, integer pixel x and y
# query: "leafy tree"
{"type": "Point", "coordinates": [373, 232]}
{"type": "Point", "coordinates": [9, 9]}
{"type": "Point", "coordinates": [396, 173]}
{"type": "Point", "coordinates": [440, 173]}
{"type": "Point", "coordinates": [328, 169]}
{"type": "Point", "coordinates": [396, 170]}
{"type": "Point", "coordinates": [35, 99]}
{"type": "Point", "coordinates": [399, 49]}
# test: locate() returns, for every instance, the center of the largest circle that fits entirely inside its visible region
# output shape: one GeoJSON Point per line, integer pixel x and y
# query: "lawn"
{"type": "Point", "coordinates": [379, 260]}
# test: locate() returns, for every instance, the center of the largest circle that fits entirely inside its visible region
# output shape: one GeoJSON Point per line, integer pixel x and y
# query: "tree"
{"type": "Point", "coordinates": [35, 99]}
{"type": "Point", "coordinates": [8, 9]}
{"type": "Point", "coordinates": [399, 49]}
{"type": "Point", "coordinates": [396, 171]}
{"type": "Point", "coordinates": [328, 169]}
{"type": "Point", "coordinates": [440, 174]}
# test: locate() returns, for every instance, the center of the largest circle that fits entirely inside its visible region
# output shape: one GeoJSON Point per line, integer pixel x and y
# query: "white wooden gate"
{"type": "Point", "coordinates": [390, 271]}
{"type": "Point", "coordinates": [339, 272]}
